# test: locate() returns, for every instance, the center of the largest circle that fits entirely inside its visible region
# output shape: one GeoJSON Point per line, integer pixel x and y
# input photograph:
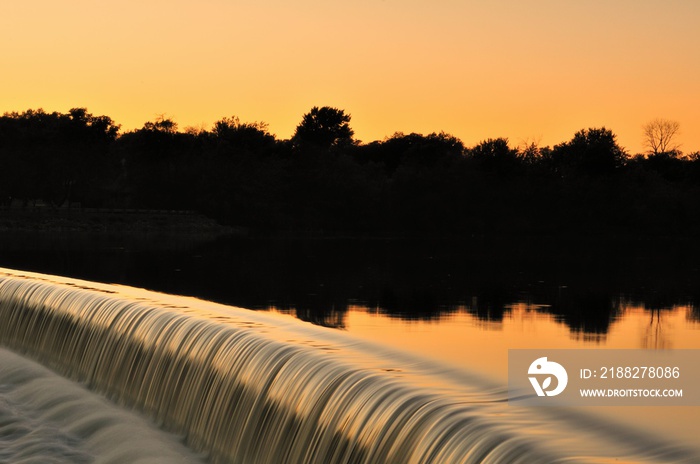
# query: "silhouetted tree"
{"type": "Point", "coordinates": [425, 192]}
{"type": "Point", "coordinates": [55, 157]}
{"type": "Point", "coordinates": [416, 149]}
{"type": "Point", "coordinates": [160, 166]}
{"type": "Point", "coordinates": [591, 151]}
{"type": "Point", "coordinates": [232, 135]}
{"type": "Point", "coordinates": [324, 128]}
{"type": "Point", "coordinates": [531, 153]}
{"type": "Point", "coordinates": [161, 124]}
{"type": "Point", "coordinates": [495, 155]}
{"type": "Point", "coordinates": [660, 134]}
{"type": "Point", "coordinates": [407, 183]}
{"type": "Point", "coordinates": [667, 164]}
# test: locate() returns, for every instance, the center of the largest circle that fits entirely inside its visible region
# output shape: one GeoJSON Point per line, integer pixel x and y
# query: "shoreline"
{"type": "Point", "coordinates": [93, 220]}
{"type": "Point", "coordinates": [134, 222]}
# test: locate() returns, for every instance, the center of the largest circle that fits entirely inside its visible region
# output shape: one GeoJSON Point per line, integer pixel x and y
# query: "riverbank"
{"type": "Point", "coordinates": [93, 220]}
{"type": "Point", "coordinates": [188, 224]}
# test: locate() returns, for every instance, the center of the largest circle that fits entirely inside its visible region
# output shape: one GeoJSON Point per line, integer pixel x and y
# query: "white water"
{"type": "Point", "coordinates": [46, 418]}
{"type": "Point", "coordinates": [241, 386]}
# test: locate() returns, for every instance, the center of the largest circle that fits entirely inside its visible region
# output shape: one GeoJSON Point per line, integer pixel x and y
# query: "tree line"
{"type": "Point", "coordinates": [322, 180]}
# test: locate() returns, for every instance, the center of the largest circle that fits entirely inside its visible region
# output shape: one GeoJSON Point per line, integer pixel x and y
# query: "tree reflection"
{"type": "Point", "coordinates": [654, 336]}
{"type": "Point", "coordinates": [693, 313]}
{"type": "Point", "coordinates": [319, 280]}
{"type": "Point", "coordinates": [586, 311]}
{"type": "Point", "coordinates": [327, 317]}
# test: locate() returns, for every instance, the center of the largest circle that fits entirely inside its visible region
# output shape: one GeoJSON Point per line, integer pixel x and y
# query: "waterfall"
{"type": "Point", "coordinates": [246, 387]}
{"type": "Point", "coordinates": [45, 418]}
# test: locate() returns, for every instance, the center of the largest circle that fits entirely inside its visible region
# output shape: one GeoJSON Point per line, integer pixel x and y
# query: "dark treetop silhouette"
{"type": "Point", "coordinates": [324, 181]}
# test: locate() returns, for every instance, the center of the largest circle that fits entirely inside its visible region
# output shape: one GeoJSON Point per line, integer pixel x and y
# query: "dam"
{"type": "Point", "coordinates": [92, 372]}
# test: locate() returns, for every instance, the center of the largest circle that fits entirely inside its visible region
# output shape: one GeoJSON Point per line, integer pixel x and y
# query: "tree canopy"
{"type": "Point", "coordinates": [591, 151]}
{"type": "Point", "coordinates": [323, 128]}
{"type": "Point", "coordinates": [322, 179]}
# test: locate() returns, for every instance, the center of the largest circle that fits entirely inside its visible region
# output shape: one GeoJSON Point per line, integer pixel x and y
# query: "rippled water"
{"type": "Point", "coordinates": [255, 387]}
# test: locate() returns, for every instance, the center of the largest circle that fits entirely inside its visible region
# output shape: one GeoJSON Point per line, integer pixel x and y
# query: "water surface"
{"type": "Point", "coordinates": [453, 303]}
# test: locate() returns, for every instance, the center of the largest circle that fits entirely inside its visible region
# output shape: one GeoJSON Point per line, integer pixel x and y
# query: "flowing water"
{"type": "Point", "coordinates": [45, 418]}
{"type": "Point", "coordinates": [403, 354]}
{"type": "Point", "coordinates": [231, 385]}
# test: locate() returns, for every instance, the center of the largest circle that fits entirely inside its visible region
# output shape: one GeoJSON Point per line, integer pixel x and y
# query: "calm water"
{"type": "Point", "coordinates": [460, 303]}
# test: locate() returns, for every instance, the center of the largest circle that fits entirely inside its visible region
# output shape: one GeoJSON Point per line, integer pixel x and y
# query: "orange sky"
{"type": "Point", "coordinates": [522, 69]}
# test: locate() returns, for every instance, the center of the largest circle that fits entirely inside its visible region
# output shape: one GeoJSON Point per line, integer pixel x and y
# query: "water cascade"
{"type": "Point", "coordinates": [241, 386]}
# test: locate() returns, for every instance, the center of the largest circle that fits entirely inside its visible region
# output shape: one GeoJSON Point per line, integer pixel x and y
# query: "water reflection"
{"type": "Point", "coordinates": [457, 335]}
{"type": "Point", "coordinates": [467, 340]}
{"type": "Point", "coordinates": [464, 303]}
{"type": "Point", "coordinates": [588, 320]}
{"type": "Point", "coordinates": [584, 286]}
{"type": "Point", "coordinates": [464, 337]}
{"type": "Point", "coordinates": [655, 337]}
{"type": "Point", "coordinates": [296, 393]}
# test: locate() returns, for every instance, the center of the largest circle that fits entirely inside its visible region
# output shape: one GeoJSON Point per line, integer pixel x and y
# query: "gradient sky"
{"type": "Point", "coordinates": [522, 69]}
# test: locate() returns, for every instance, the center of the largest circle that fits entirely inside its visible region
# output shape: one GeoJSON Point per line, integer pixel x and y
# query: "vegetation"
{"type": "Point", "coordinates": [660, 134]}
{"type": "Point", "coordinates": [324, 181]}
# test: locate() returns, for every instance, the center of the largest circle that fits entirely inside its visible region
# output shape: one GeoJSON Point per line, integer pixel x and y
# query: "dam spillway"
{"type": "Point", "coordinates": [240, 386]}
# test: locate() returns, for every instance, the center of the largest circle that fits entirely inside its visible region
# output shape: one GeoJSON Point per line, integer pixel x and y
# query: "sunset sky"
{"type": "Point", "coordinates": [522, 69]}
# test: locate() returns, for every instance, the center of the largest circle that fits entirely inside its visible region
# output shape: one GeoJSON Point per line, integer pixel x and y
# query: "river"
{"type": "Point", "coordinates": [457, 304]}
